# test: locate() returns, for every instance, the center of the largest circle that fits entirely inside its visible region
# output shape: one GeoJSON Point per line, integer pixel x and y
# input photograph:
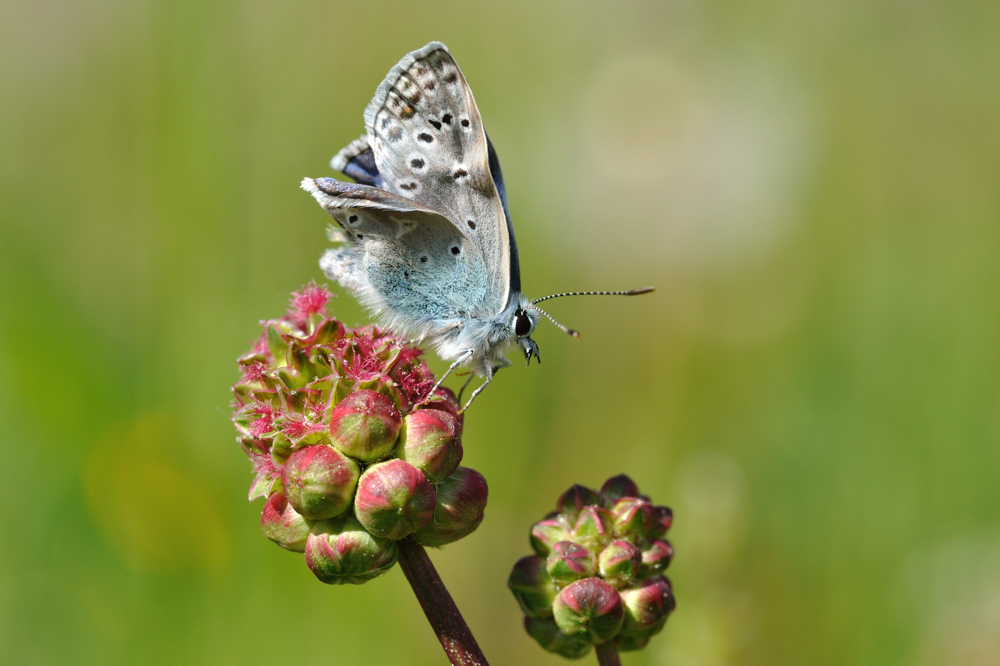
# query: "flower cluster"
{"type": "Point", "coordinates": [597, 571]}
{"type": "Point", "coordinates": [348, 444]}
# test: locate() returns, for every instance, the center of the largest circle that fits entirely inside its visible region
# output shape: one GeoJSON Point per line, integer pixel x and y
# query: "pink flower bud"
{"type": "Point", "coordinates": [532, 587]}
{"type": "Point", "coordinates": [364, 425]}
{"type": "Point", "coordinates": [662, 518]}
{"type": "Point", "coordinates": [572, 501]}
{"type": "Point", "coordinates": [619, 562]}
{"type": "Point", "coordinates": [319, 481]}
{"type": "Point", "coordinates": [647, 604]}
{"type": "Point", "coordinates": [546, 633]}
{"type": "Point", "coordinates": [632, 517]}
{"type": "Point", "coordinates": [340, 551]}
{"type": "Point", "coordinates": [461, 501]}
{"type": "Point", "coordinates": [618, 487]}
{"type": "Point", "coordinates": [593, 527]}
{"type": "Point", "coordinates": [428, 440]}
{"type": "Point", "coordinates": [282, 525]}
{"type": "Point", "coordinates": [569, 561]}
{"type": "Point", "coordinates": [545, 533]}
{"type": "Point", "coordinates": [444, 399]}
{"type": "Point", "coordinates": [394, 499]}
{"type": "Point", "coordinates": [590, 607]}
{"type": "Point", "coordinates": [656, 556]}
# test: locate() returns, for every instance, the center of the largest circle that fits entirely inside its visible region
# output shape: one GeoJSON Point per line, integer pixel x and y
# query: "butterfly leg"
{"type": "Point", "coordinates": [465, 386]}
{"type": "Point", "coordinates": [458, 361]}
{"type": "Point", "coordinates": [491, 371]}
{"type": "Point", "coordinates": [489, 378]}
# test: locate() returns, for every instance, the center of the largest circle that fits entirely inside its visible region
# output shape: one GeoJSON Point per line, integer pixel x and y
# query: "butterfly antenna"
{"type": "Point", "coordinates": [564, 329]}
{"type": "Point", "coordinates": [631, 292]}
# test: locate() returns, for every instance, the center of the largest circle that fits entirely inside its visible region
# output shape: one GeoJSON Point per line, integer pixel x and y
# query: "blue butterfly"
{"type": "Point", "coordinates": [426, 237]}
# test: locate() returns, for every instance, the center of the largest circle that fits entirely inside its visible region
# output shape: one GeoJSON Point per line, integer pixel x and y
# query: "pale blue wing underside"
{"type": "Point", "coordinates": [404, 260]}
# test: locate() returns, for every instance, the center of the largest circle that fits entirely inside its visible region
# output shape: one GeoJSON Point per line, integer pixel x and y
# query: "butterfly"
{"type": "Point", "coordinates": [426, 237]}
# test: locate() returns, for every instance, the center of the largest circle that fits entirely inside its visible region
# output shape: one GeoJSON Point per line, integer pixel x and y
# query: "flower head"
{"type": "Point", "coordinates": [597, 571]}
{"type": "Point", "coordinates": [348, 445]}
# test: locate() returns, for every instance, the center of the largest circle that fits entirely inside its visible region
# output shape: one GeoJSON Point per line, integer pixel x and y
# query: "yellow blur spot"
{"type": "Point", "coordinates": [149, 507]}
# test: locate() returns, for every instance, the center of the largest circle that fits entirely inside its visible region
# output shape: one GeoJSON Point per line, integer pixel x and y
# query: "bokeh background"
{"type": "Point", "coordinates": [814, 386]}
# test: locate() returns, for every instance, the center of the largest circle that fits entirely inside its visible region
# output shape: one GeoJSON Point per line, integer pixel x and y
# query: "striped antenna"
{"type": "Point", "coordinates": [564, 329]}
{"type": "Point", "coordinates": [631, 292]}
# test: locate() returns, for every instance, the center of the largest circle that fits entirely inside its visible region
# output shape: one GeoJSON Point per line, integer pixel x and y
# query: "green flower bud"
{"type": "Point", "coordinates": [572, 501]}
{"type": "Point", "coordinates": [545, 533]}
{"type": "Point", "coordinates": [319, 481]}
{"type": "Point", "coordinates": [593, 527]}
{"type": "Point", "coordinates": [656, 556]}
{"type": "Point", "coordinates": [547, 633]}
{"type": "Point", "coordinates": [628, 642]}
{"type": "Point", "coordinates": [568, 562]}
{"type": "Point", "coordinates": [282, 525]}
{"type": "Point", "coordinates": [461, 501]}
{"type": "Point", "coordinates": [590, 607]}
{"type": "Point", "coordinates": [632, 517]}
{"type": "Point", "coordinates": [429, 442]}
{"type": "Point", "coordinates": [618, 487]}
{"type": "Point", "coordinates": [364, 425]}
{"type": "Point", "coordinates": [647, 604]}
{"type": "Point", "coordinates": [340, 551]}
{"type": "Point", "coordinates": [662, 518]}
{"type": "Point", "coordinates": [394, 499]}
{"type": "Point", "coordinates": [532, 587]}
{"type": "Point", "coordinates": [619, 562]}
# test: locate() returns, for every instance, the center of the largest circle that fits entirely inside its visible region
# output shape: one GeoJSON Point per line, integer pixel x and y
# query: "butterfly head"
{"type": "Point", "coordinates": [523, 321]}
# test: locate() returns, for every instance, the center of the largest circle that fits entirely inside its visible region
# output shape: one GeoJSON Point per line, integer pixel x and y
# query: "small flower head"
{"type": "Point", "coordinates": [319, 481]}
{"type": "Point", "coordinates": [429, 441]}
{"type": "Point", "coordinates": [597, 571]}
{"type": "Point", "coordinates": [283, 525]}
{"type": "Point", "coordinates": [461, 501]}
{"type": "Point", "coordinates": [317, 404]}
{"type": "Point", "coordinates": [365, 425]}
{"type": "Point", "coordinates": [533, 587]}
{"type": "Point", "coordinates": [589, 606]}
{"type": "Point", "coordinates": [341, 551]}
{"type": "Point", "coordinates": [309, 302]}
{"type": "Point", "coordinates": [394, 499]}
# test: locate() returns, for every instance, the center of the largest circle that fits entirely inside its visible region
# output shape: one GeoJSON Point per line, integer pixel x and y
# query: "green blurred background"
{"type": "Point", "coordinates": [814, 386]}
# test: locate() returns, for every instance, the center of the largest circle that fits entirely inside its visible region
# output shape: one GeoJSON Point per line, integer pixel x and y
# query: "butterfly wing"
{"type": "Point", "coordinates": [357, 160]}
{"type": "Point", "coordinates": [430, 147]}
{"type": "Point", "coordinates": [402, 259]}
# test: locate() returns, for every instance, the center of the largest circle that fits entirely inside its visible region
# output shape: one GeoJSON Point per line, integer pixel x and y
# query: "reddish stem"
{"type": "Point", "coordinates": [440, 609]}
{"type": "Point", "coordinates": [607, 654]}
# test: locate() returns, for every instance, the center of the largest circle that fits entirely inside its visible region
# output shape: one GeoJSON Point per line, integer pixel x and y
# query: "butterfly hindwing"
{"type": "Point", "coordinates": [430, 147]}
{"type": "Point", "coordinates": [401, 258]}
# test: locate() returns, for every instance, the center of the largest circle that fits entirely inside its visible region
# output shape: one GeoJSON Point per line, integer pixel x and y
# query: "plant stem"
{"type": "Point", "coordinates": [440, 609]}
{"type": "Point", "coordinates": [607, 654]}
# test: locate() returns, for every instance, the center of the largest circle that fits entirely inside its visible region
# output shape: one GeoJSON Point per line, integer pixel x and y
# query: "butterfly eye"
{"type": "Point", "coordinates": [523, 325]}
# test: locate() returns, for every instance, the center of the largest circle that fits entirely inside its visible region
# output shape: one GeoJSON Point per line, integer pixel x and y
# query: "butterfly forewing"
{"type": "Point", "coordinates": [430, 147]}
